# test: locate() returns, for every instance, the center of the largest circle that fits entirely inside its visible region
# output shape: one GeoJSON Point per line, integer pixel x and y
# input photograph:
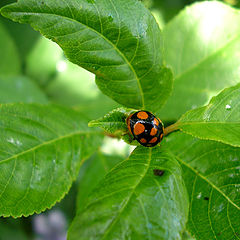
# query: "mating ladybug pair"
{"type": "Point", "coordinates": [146, 128]}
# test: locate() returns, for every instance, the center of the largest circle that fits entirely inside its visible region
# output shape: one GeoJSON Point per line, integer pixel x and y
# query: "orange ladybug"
{"type": "Point", "coordinates": [146, 128]}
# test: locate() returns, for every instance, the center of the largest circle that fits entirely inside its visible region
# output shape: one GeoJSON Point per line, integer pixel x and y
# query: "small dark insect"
{"type": "Point", "coordinates": [146, 128]}
{"type": "Point", "coordinates": [206, 198]}
{"type": "Point", "coordinates": [158, 172]}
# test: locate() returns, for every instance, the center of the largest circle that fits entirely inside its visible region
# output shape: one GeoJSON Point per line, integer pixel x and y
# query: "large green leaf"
{"type": "Point", "coordinates": [9, 63]}
{"type": "Point", "coordinates": [14, 89]}
{"type": "Point", "coordinates": [132, 203]}
{"type": "Point", "coordinates": [119, 41]}
{"type": "Point", "coordinates": [212, 175]}
{"type": "Point", "coordinates": [92, 171]}
{"type": "Point", "coordinates": [202, 47]}
{"type": "Point", "coordinates": [219, 120]}
{"type": "Point", "coordinates": [42, 147]}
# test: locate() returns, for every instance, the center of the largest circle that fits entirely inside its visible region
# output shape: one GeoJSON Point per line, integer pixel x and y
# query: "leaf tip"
{"type": "Point", "coordinates": [4, 11]}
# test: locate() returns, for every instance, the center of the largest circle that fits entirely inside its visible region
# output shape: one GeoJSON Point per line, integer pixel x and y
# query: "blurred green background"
{"type": "Point", "coordinates": [38, 69]}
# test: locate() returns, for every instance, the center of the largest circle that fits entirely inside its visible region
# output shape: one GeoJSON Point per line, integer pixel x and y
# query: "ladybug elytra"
{"type": "Point", "coordinates": [146, 128]}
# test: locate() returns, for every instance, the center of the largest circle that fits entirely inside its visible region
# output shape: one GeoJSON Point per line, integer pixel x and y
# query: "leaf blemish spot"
{"type": "Point", "coordinates": [206, 198]}
{"type": "Point", "coordinates": [158, 172]}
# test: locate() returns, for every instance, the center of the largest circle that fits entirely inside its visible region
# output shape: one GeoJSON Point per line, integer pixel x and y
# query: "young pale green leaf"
{"type": "Point", "coordinates": [92, 171]}
{"type": "Point", "coordinates": [113, 122]}
{"type": "Point", "coordinates": [119, 41]}
{"type": "Point", "coordinates": [212, 175]}
{"type": "Point", "coordinates": [10, 63]}
{"type": "Point", "coordinates": [202, 47]}
{"type": "Point", "coordinates": [219, 120]}
{"type": "Point", "coordinates": [132, 203]}
{"type": "Point", "coordinates": [42, 147]}
{"type": "Point", "coordinates": [13, 89]}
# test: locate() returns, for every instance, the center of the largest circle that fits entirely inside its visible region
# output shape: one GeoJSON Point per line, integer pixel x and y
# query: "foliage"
{"type": "Point", "coordinates": [53, 117]}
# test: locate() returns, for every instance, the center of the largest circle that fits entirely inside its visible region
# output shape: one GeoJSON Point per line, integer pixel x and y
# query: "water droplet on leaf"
{"type": "Point", "coordinates": [199, 195]}
{"type": "Point", "coordinates": [228, 107]}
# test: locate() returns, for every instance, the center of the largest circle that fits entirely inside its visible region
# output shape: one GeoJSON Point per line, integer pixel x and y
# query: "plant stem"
{"type": "Point", "coordinates": [171, 128]}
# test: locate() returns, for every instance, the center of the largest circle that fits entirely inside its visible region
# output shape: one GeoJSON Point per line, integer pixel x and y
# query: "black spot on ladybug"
{"type": "Point", "coordinates": [158, 172]}
{"type": "Point", "coordinates": [206, 198]}
{"type": "Point", "coordinates": [145, 128]}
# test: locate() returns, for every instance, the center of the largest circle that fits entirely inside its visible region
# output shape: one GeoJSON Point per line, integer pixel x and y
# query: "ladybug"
{"type": "Point", "coordinates": [146, 128]}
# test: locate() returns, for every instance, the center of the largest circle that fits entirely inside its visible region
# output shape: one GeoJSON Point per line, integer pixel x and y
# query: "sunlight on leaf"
{"type": "Point", "coordinates": [219, 120]}
{"type": "Point", "coordinates": [203, 48]}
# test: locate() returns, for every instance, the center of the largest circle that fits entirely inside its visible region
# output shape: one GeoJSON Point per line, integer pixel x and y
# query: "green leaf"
{"type": "Point", "coordinates": [123, 49]}
{"type": "Point", "coordinates": [202, 47]}
{"type": "Point", "coordinates": [113, 122]}
{"type": "Point", "coordinates": [132, 203]}
{"type": "Point", "coordinates": [219, 120]}
{"type": "Point", "coordinates": [92, 171]}
{"type": "Point", "coordinates": [14, 89]}
{"type": "Point", "coordinates": [212, 176]}
{"type": "Point", "coordinates": [9, 63]}
{"type": "Point", "coordinates": [42, 148]}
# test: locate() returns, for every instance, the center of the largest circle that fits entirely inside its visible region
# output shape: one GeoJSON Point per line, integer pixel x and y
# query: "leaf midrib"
{"type": "Point", "coordinates": [206, 180]}
{"type": "Point", "coordinates": [106, 39]}
{"type": "Point", "coordinates": [44, 144]}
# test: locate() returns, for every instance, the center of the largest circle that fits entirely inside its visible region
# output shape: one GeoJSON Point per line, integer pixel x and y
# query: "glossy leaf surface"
{"type": "Point", "coordinates": [13, 89]}
{"type": "Point", "coordinates": [219, 120]}
{"type": "Point", "coordinates": [123, 49]}
{"type": "Point", "coordinates": [92, 172]}
{"type": "Point", "coordinates": [132, 203]}
{"type": "Point", "coordinates": [211, 171]}
{"type": "Point", "coordinates": [42, 147]}
{"type": "Point", "coordinates": [202, 47]}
